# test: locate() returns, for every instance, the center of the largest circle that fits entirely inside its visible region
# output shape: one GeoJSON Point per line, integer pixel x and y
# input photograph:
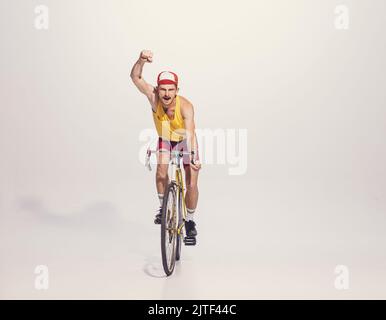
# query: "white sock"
{"type": "Point", "coordinates": [189, 214]}
{"type": "Point", "coordinates": [161, 198]}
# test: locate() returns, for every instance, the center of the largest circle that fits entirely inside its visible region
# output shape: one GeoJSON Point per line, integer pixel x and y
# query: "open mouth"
{"type": "Point", "coordinates": [167, 98]}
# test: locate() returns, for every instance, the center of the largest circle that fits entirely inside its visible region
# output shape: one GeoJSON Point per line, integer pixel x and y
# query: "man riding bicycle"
{"type": "Point", "coordinates": [173, 117]}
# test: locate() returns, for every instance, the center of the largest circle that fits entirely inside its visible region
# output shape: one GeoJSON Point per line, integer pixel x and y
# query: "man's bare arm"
{"type": "Point", "coordinates": [191, 138]}
{"type": "Point", "coordinates": [136, 75]}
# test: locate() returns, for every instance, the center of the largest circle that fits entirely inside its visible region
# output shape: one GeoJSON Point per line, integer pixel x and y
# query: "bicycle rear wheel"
{"type": "Point", "coordinates": [169, 222]}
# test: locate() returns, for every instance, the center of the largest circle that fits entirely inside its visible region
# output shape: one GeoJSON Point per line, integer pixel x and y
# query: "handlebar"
{"type": "Point", "coordinates": [174, 153]}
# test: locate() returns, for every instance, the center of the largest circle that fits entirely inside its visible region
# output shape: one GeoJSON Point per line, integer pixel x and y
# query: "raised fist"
{"type": "Point", "coordinates": [146, 56]}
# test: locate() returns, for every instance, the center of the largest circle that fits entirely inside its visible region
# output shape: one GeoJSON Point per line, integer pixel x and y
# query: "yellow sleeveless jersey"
{"type": "Point", "coordinates": [172, 130]}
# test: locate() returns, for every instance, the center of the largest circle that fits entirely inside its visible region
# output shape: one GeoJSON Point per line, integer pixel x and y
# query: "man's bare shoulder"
{"type": "Point", "coordinates": [187, 109]}
{"type": "Point", "coordinates": [185, 103]}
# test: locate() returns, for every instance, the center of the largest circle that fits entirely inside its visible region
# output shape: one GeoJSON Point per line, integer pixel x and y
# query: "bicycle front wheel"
{"type": "Point", "coordinates": [169, 222]}
{"type": "Point", "coordinates": [180, 222]}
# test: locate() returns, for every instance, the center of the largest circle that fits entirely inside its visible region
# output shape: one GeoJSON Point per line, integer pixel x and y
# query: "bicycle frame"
{"type": "Point", "coordinates": [180, 185]}
{"type": "Point", "coordinates": [176, 177]}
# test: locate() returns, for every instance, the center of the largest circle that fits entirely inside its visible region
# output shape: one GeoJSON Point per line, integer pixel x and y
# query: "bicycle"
{"type": "Point", "coordinates": [173, 212]}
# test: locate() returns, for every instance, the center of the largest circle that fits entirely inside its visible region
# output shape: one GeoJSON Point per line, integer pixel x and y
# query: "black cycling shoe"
{"type": "Point", "coordinates": [158, 216]}
{"type": "Point", "coordinates": [191, 233]}
{"type": "Point", "coordinates": [190, 227]}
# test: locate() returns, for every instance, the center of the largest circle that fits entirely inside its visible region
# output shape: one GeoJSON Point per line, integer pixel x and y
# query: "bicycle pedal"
{"type": "Point", "coordinates": [190, 241]}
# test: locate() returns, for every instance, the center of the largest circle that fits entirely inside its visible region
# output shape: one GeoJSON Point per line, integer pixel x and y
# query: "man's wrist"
{"type": "Point", "coordinates": [193, 155]}
{"type": "Point", "coordinates": [141, 61]}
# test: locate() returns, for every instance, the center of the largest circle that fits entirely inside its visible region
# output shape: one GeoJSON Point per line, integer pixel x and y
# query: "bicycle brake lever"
{"type": "Point", "coordinates": [147, 161]}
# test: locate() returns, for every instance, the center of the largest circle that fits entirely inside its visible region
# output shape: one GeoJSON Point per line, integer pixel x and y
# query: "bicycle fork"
{"type": "Point", "coordinates": [181, 199]}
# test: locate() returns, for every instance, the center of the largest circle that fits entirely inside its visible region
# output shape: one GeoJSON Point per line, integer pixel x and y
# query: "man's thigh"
{"type": "Point", "coordinates": [163, 155]}
{"type": "Point", "coordinates": [163, 158]}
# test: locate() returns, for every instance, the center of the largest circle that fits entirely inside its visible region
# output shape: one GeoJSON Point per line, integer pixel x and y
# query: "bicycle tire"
{"type": "Point", "coordinates": [180, 218]}
{"type": "Point", "coordinates": [165, 235]}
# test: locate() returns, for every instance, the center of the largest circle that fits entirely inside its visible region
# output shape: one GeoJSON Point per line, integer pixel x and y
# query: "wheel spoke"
{"type": "Point", "coordinates": [170, 231]}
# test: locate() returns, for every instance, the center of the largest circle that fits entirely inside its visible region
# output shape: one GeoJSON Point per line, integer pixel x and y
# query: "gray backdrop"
{"type": "Point", "coordinates": [75, 197]}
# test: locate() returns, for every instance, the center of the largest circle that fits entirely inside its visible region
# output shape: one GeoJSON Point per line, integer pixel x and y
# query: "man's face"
{"type": "Point", "coordinates": [167, 93]}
